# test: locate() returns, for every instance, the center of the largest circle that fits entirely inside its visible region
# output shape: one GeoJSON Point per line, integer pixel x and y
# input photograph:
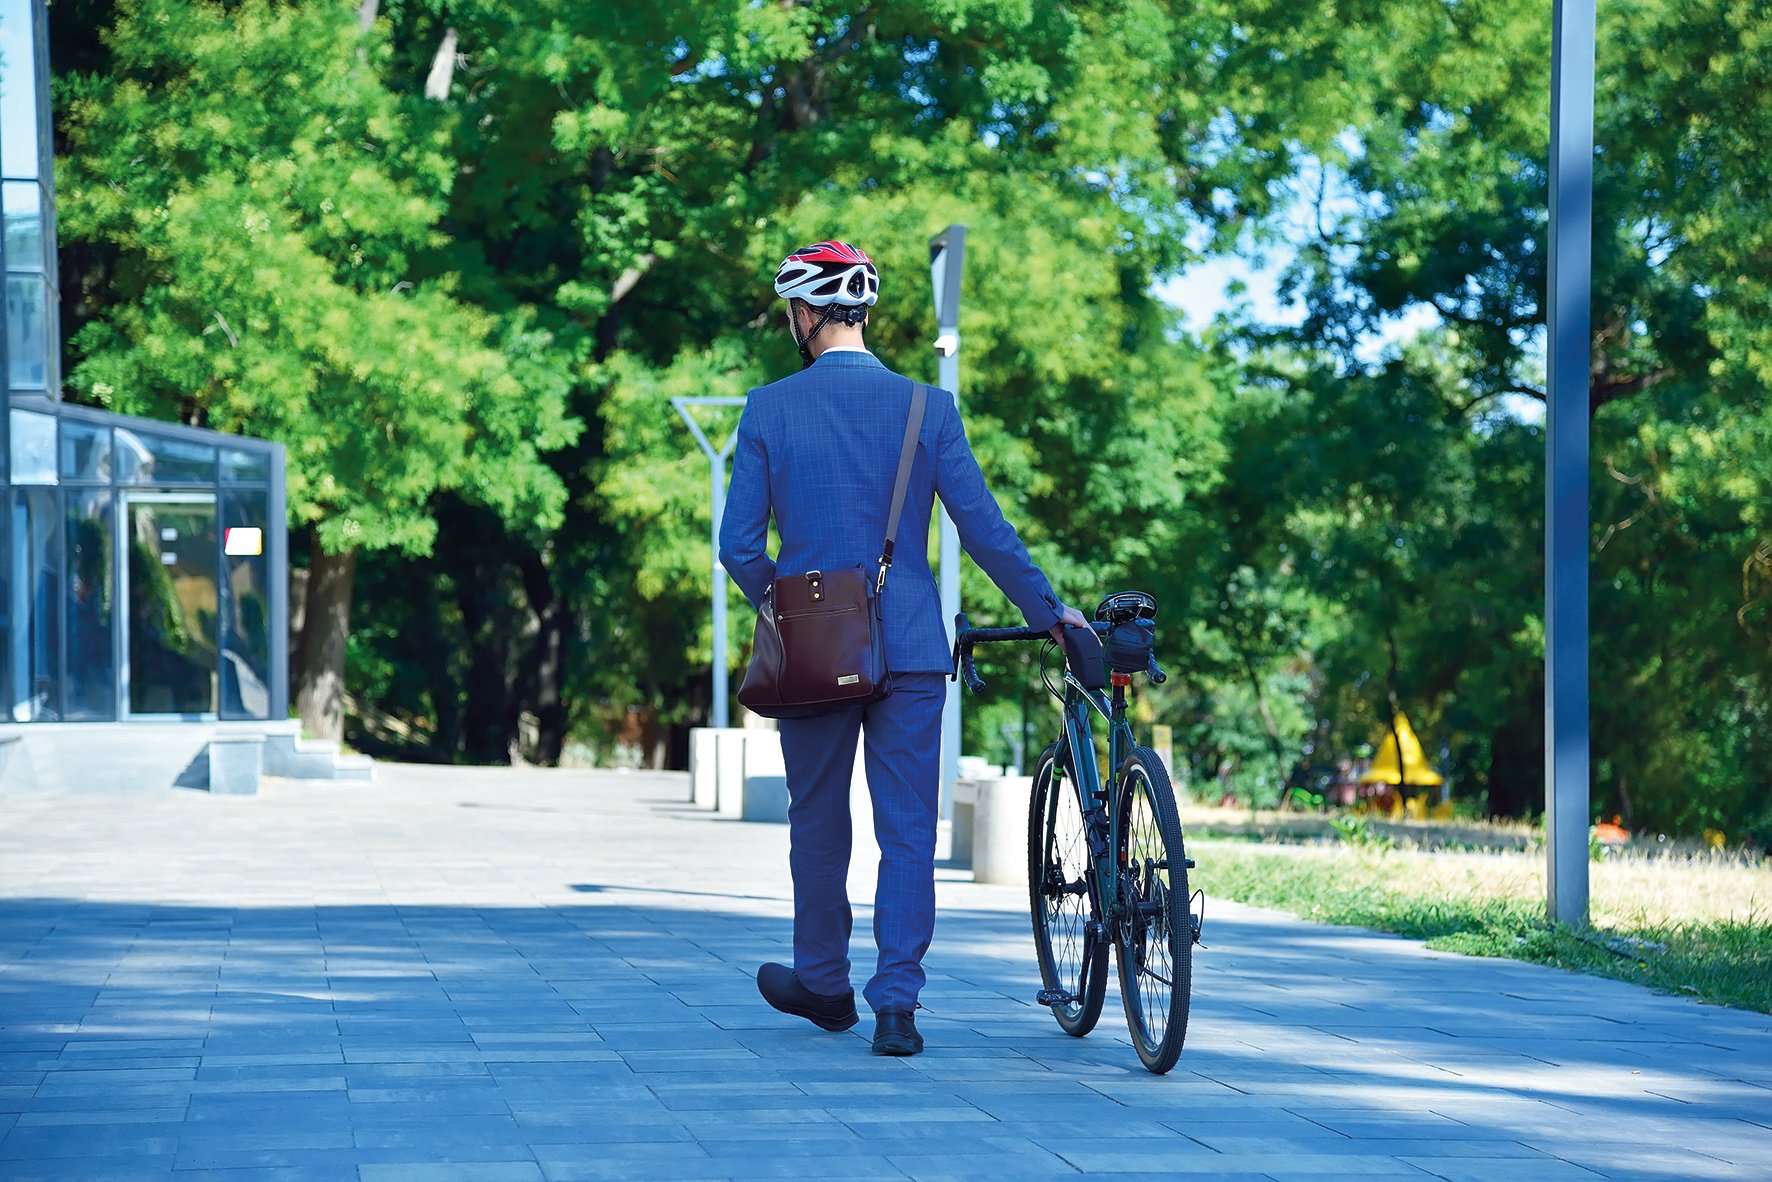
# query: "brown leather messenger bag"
{"type": "Point", "coordinates": [820, 643]}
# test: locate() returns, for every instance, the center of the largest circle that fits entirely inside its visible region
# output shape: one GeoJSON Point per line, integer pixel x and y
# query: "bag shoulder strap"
{"type": "Point", "coordinates": [907, 453]}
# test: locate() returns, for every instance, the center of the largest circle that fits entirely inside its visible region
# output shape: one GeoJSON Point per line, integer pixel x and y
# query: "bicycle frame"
{"type": "Point", "coordinates": [1101, 800]}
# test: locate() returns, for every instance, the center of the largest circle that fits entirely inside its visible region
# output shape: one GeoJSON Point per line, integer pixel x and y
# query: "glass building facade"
{"type": "Point", "coordinates": [143, 565]}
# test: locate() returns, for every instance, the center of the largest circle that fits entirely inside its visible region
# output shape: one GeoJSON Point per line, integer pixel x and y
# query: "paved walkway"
{"type": "Point", "coordinates": [489, 975]}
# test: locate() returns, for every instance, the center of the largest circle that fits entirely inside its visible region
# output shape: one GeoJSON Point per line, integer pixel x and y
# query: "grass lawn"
{"type": "Point", "coordinates": [1698, 924]}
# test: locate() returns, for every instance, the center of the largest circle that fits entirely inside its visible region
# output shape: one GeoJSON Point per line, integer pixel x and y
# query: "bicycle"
{"type": "Point", "coordinates": [1106, 864]}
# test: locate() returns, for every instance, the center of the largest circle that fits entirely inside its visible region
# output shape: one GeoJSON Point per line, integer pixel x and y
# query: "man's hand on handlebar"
{"type": "Point", "coordinates": [1070, 618]}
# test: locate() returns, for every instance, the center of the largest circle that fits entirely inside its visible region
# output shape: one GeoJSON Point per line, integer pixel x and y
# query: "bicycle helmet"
{"type": "Point", "coordinates": [835, 277]}
{"type": "Point", "coordinates": [828, 273]}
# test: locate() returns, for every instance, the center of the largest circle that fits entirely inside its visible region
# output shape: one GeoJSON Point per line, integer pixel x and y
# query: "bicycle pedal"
{"type": "Point", "coordinates": [1055, 997]}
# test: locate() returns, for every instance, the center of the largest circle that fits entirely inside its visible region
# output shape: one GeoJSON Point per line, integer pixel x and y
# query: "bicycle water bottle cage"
{"type": "Point", "coordinates": [1083, 656]}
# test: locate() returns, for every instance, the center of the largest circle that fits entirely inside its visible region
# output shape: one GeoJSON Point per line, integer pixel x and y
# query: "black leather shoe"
{"type": "Point", "coordinates": [895, 1033]}
{"type": "Point", "coordinates": [781, 988]}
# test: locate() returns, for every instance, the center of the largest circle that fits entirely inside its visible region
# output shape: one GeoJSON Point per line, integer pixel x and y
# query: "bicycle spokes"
{"type": "Point", "coordinates": [1067, 935]}
{"type": "Point", "coordinates": [1154, 926]}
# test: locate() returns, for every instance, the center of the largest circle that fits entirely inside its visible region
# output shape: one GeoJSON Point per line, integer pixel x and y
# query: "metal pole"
{"type": "Point", "coordinates": [719, 708]}
{"type": "Point", "coordinates": [949, 378]}
{"type": "Point", "coordinates": [947, 256]}
{"type": "Point", "coordinates": [1566, 739]}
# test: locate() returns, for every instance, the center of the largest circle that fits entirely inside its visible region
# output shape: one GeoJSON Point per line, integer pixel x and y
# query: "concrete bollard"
{"type": "Point", "coordinates": [729, 747]}
{"type": "Point", "coordinates": [236, 764]}
{"type": "Point", "coordinates": [704, 766]}
{"type": "Point", "coordinates": [765, 778]}
{"type": "Point", "coordinates": [991, 828]}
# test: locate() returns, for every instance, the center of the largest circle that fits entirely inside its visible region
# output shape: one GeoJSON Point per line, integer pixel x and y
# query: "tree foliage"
{"type": "Point", "coordinates": [425, 251]}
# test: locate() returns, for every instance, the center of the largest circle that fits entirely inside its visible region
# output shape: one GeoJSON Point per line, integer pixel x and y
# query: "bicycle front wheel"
{"type": "Point", "coordinates": [1061, 896]}
{"type": "Point", "coordinates": [1155, 936]}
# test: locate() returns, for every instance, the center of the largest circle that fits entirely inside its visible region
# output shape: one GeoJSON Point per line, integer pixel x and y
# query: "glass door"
{"type": "Point", "coordinates": [173, 608]}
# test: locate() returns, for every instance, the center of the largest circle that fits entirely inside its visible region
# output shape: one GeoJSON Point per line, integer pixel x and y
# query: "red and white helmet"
{"type": "Point", "coordinates": [828, 273]}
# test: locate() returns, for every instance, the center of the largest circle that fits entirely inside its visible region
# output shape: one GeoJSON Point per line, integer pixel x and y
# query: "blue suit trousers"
{"type": "Point", "coordinates": [902, 756]}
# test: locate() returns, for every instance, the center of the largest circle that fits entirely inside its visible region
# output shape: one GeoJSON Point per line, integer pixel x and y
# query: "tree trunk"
{"type": "Point", "coordinates": [555, 619]}
{"type": "Point", "coordinates": [442, 68]}
{"type": "Point", "coordinates": [1516, 764]}
{"type": "Point", "coordinates": [489, 716]}
{"type": "Point", "coordinates": [320, 678]}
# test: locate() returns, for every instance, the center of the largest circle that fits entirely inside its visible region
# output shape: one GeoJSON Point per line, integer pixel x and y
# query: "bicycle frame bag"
{"type": "Point", "coordinates": [820, 641]}
{"type": "Point", "coordinates": [1082, 656]}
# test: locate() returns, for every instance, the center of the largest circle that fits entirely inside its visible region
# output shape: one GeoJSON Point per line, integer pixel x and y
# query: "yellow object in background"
{"type": "Point", "coordinates": [1714, 839]}
{"type": "Point", "coordinates": [1414, 769]}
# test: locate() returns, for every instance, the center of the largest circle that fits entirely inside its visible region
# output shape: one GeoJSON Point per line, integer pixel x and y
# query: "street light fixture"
{"type": "Point", "coordinates": [717, 457]}
{"type": "Point", "coordinates": [947, 256]}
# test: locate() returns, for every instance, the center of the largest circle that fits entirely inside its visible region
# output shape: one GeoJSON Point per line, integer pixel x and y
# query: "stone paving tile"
{"type": "Point", "coordinates": [145, 1168]}
{"type": "Point", "coordinates": [1487, 1170]}
{"type": "Point", "coordinates": [479, 974]}
{"type": "Point", "coordinates": [478, 1171]}
{"type": "Point", "coordinates": [109, 1116]}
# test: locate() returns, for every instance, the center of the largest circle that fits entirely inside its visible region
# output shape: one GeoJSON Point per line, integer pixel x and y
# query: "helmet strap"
{"type": "Point", "coordinates": [805, 342]}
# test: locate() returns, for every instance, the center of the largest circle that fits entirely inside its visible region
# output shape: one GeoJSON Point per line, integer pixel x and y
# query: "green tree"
{"type": "Point", "coordinates": [636, 174]}
{"type": "Point", "coordinates": [267, 216]}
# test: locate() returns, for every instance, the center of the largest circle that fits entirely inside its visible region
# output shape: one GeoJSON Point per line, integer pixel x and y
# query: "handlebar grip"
{"type": "Point", "coordinates": [964, 669]}
{"type": "Point", "coordinates": [1155, 671]}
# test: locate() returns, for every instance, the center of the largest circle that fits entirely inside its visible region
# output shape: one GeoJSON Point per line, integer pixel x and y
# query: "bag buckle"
{"type": "Point", "coordinates": [816, 579]}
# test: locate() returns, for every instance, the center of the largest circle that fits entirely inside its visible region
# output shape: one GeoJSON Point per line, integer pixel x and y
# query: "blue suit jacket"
{"type": "Point", "coordinates": [820, 449]}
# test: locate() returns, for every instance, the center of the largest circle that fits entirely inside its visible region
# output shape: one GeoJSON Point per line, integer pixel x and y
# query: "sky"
{"type": "Point", "coordinates": [1202, 292]}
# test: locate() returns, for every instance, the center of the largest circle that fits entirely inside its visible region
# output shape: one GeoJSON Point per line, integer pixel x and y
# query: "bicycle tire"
{"type": "Point", "coordinates": [1062, 898]}
{"type": "Point", "coordinates": [1154, 938]}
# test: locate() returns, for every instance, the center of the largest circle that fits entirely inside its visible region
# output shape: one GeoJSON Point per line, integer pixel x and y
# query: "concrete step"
{"type": "Point", "coordinates": [296, 758]}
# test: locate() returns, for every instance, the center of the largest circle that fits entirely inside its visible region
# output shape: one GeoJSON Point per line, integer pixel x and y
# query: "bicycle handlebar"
{"type": "Point", "coordinates": [965, 636]}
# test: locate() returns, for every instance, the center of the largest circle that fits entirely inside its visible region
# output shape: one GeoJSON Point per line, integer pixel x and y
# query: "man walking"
{"type": "Point", "coordinates": [819, 451]}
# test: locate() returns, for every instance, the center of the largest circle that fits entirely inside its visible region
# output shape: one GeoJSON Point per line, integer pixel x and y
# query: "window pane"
{"type": "Point", "coordinates": [27, 337]}
{"type": "Point", "coordinates": [245, 467]}
{"type": "Point", "coordinates": [86, 452]}
{"type": "Point", "coordinates": [172, 604]}
{"type": "Point", "coordinates": [144, 458]}
{"type": "Point", "coordinates": [18, 90]}
{"type": "Point", "coordinates": [92, 678]}
{"type": "Point", "coordinates": [33, 447]}
{"type": "Point", "coordinates": [8, 559]}
{"type": "Point", "coordinates": [246, 607]}
{"type": "Point", "coordinates": [34, 654]}
{"type": "Point", "coordinates": [23, 208]}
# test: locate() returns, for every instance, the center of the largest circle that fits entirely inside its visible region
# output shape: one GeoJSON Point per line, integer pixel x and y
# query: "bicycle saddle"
{"type": "Point", "coordinates": [1127, 605]}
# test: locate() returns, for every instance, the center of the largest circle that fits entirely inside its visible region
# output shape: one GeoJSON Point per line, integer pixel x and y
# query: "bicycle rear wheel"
{"type": "Point", "coordinates": [1061, 896]}
{"type": "Point", "coordinates": [1155, 936]}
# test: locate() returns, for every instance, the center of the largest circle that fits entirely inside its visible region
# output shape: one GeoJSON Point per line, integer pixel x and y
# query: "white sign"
{"type": "Point", "coordinates": [243, 542]}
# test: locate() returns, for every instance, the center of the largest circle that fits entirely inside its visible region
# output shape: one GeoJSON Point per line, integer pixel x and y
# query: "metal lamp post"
{"type": "Point", "coordinates": [1566, 737]}
{"type": "Point", "coordinates": [717, 458]}
{"type": "Point", "coordinates": [947, 255]}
